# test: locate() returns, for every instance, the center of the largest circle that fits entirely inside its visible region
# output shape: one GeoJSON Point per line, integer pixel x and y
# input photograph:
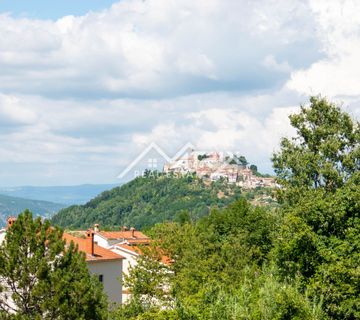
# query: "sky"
{"type": "Point", "coordinates": [87, 85]}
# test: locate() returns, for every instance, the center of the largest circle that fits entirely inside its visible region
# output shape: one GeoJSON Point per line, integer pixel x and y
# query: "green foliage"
{"type": "Point", "coordinates": [253, 168]}
{"type": "Point", "coordinates": [42, 279]}
{"type": "Point", "coordinates": [202, 156]}
{"type": "Point", "coordinates": [325, 152]}
{"type": "Point", "coordinates": [319, 238]}
{"type": "Point", "coordinates": [146, 201]}
{"type": "Point", "coordinates": [241, 160]}
{"type": "Point", "coordinates": [220, 271]}
{"type": "Point", "coordinates": [320, 241]}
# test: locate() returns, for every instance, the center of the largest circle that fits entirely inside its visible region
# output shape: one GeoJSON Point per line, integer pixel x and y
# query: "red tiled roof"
{"type": "Point", "coordinates": [100, 254]}
{"type": "Point", "coordinates": [138, 241]}
{"type": "Point", "coordinates": [112, 235]}
{"type": "Point", "coordinates": [136, 249]}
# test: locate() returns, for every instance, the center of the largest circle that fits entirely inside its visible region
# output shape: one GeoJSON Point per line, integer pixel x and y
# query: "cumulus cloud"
{"type": "Point", "coordinates": [81, 96]}
{"type": "Point", "coordinates": [230, 126]}
{"type": "Point", "coordinates": [154, 48]}
{"type": "Point", "coordinates": [337, 74]}
{"type": "Point", "coordinates": [68, 135]}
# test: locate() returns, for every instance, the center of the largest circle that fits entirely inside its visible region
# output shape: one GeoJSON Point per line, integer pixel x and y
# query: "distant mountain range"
{"type": "Point", "coordinates": [67, 195]}
{"type": "Point", "coordinates": [14, 205]}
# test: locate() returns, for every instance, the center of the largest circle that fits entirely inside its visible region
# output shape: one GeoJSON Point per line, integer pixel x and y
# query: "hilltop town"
{"type": "Point", "coordinates": [219, 165]}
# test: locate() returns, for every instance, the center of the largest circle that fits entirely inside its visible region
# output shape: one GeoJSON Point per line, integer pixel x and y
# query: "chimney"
{"type": "Point", "coordinates": [96, 227]}
{"type": "Point", "coordinates": [132, 232]}
{"type": "Point", "coordinates": [10, 221]}
{"type": "Point", "coordinates": [89, 245]}
{"type": "Point", "coordinates": [124, 228]}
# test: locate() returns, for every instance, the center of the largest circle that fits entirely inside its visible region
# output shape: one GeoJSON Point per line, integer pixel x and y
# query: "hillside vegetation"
{"type": "Point", "coordinates": [148, 200]}
{"type": "Point", "coordinates": [14, 205]}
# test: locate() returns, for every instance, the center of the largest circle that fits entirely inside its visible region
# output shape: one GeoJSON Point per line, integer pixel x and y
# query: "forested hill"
{"type": "Point", "coordinates": [146, 201]}
{"type": "Point", "coordinates": [14, 205]}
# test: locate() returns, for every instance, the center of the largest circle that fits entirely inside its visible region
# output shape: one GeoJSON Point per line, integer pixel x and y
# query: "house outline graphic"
{"type": "Point", "coordinates": [154, 146]}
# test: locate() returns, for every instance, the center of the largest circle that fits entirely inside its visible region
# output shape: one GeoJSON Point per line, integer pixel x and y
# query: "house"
{"type": "Point", "coordinates": [131, 251]}
{"type": "Point", "coordinates": [2, 235]}
{"type": "Point", "coordinates": [126, 243]}
{"type": "Point", "coordinates": [106, 239]}
{"type": "Point", "coordinates": [3, 294]}
{"type": "Point", "coordinates": [104, 263]}
{"type": "Point", "coordinates": [10, 222]}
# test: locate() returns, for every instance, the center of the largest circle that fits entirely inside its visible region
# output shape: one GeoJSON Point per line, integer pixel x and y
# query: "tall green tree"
{"type": "Point", "coordinates": [318, 239]}
{"type": "Point", "coordinates": [42, 279]}
{"type": "Point", "coordinates": [324, 153]}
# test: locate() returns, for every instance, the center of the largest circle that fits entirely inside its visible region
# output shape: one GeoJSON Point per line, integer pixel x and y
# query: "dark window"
{"type": "Point", "coordinates": [101, 278]}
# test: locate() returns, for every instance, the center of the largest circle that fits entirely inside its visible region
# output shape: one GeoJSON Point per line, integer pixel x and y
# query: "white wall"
{"type": "Point", "coordinates": [129, 261]}
{"type": "Point", "coordinates": [112, 274]}
{"type": "Point", "coordinates": [102, 242]}
{"type": "Point", "coordinates": [2, 235]}
{"type": "Point", "coordinates": [105, 243]}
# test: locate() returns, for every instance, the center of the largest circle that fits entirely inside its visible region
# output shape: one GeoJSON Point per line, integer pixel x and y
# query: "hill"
{"type": "Point", "coordinates": [14, 205]}
{"type": "Point", "coordinates": [146, 201]}
{"type": "Point", "coordinates": [67, 195]}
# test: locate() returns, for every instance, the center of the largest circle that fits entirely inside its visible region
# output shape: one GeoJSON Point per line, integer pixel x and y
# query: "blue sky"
{"type": "Point", "coordinates": [85, 86]}
{"type": "Point", "coordinates": [52, 9]}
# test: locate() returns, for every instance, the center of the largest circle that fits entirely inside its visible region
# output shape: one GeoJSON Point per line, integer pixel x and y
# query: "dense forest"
{"type": "Point", "coordinates": [300, 261]}
{"type": "Point", "coordinates": [148, 200]}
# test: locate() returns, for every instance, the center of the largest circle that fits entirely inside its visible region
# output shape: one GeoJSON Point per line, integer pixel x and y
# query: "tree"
{"type": "Point", "coordinates": [202, 156]}
{"type": "Point", "coordinates": [325, 152]}
{"type": "Point", "coordinates": [254, 169]}
{"type": "Point", "coordinates": [41, 279]}
{"type": "Point", "coordinates": [318, 239]}
{"type": "Point", "coordinates": [148, 282]}
{"type": "Point", "coordinates": [240, 160]}
{"type": "Point", "coordinates": [219, 271]}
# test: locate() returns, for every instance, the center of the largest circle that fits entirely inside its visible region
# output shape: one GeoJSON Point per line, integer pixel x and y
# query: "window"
{"type": "Point", "coordinates": [101, 278]}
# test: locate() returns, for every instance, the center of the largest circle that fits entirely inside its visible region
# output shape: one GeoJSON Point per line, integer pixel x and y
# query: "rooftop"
{"type": "Point", "coordinates": [138, 250]}
{"type": "Point", "coordinates": [100, 254]}
{"type": "Point", "coordinates": [128, 234]}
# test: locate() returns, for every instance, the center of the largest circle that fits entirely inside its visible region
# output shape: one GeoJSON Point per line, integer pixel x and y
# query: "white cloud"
{"type": "Point", "coordinates": [227, 129]}
{"type": "Point", "coordinates": [337, 74]}
{"type": "Point", "coordinates": [271, 63]}
{"type": "Point", "coordinates": [107, 134]}
{"type": "Point", "coordinates": [152, 48]}
{"type": "Point", "coordinates": [11, 111]}
{"type": "Point", "coordinates": [81, 96]}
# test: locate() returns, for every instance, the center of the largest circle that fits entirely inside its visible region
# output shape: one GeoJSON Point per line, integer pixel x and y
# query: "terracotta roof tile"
{"type": "Point", "coordinates": [100, 254]}
{"type": "Point", "coordinates": [134, 248]}
{"type": "Point", "coordinates": [113, 235]}
{"type": "Point", "coordinates": [138, 241]}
